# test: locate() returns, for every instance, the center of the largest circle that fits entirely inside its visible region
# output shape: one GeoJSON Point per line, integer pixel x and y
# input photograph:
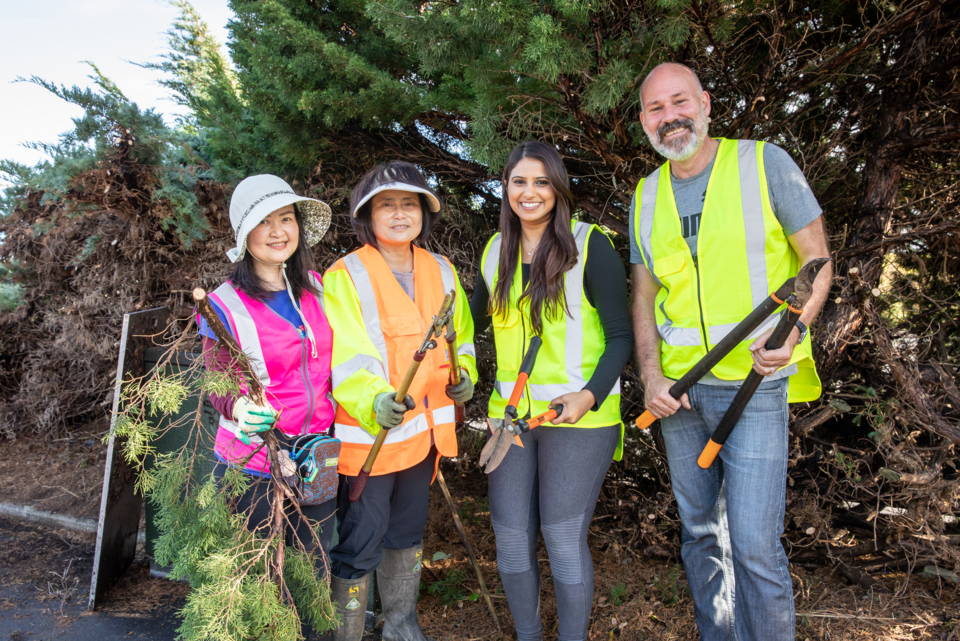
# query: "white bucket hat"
{"type": "Point", "coordinates": [392, 180]}
{"type": "Point", "coordinates": [257, 197]}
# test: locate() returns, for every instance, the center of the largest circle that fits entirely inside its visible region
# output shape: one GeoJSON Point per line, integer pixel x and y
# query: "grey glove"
{"type": "Point", "coordinates": [462, 391]}
{"type": "Point", "coordinates": [389, 412]}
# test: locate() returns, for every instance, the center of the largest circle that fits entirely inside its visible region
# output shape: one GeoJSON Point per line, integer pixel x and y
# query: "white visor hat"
{"type": "Point", "coordinates": [400, 186]}
{"type": "Point", "coordinates": [257, 197]}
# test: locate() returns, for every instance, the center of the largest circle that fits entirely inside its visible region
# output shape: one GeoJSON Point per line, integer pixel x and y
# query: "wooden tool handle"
{"type": "Point", "coordinates": [454, 362]}
{"type": "Point", "coordinates": [356, 487]}
{"type": "Point", "coordinates": [408, 377]}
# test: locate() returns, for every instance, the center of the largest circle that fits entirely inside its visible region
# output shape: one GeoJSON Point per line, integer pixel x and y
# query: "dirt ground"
{"type": "Point", "coordinates": [639, 595]}
{"type": "Point", "coordinates": [64, 476]}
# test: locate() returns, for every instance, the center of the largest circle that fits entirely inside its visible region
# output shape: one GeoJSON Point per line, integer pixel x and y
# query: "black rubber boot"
{"type": "Point", "coordinates": [350, 598]}
{"type": "Point", "coordinates": [398, 581]}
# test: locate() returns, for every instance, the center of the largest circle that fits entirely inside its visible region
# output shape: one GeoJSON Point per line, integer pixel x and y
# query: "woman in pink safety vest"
{"type": "Point", "coordinates": [272, 305]}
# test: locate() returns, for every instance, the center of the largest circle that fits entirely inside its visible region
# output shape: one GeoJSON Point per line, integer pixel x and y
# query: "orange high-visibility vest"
{"type": "Point", "coordinates": [403, 323]}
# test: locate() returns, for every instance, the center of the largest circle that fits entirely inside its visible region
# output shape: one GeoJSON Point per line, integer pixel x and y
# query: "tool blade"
{"type": "Point", "coordinates": [504, 441]}
{"type": "Point", "coordinates": [803, 286]}
{"type": "Point", "coordinates": [497, 436]}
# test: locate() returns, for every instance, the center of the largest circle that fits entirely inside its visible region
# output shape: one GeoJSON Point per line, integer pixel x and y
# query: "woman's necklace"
{"type": "Point", "coordinates": [533, 249]}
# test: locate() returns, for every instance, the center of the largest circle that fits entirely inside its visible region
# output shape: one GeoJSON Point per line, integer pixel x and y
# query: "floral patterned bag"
{"type": "Point", "coordinates": [316, 456]}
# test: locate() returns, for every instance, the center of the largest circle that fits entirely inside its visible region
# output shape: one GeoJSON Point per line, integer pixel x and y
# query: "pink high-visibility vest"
{"type": "Point", "coordinates": [297, 385]}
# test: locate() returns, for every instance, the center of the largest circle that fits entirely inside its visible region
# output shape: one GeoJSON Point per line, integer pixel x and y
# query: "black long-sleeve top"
{"type": "Point", "coordinates": [605, 284]}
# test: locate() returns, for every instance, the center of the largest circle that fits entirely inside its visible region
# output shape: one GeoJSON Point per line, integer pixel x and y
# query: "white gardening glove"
{"type": "Point", "coordinates": [251, 418]}
{"type": "Point", "coordinates": [287, 467]}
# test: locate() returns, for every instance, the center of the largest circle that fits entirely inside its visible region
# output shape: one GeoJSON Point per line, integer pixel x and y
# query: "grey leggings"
{"type": "Point", "coordinates": [551, 484]}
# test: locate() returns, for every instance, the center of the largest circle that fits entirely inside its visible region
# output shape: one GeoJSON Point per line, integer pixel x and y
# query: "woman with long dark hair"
{"type": "Point", "coordinates": [272, 306]}
{"type": "Point", "coordinates": [381, 299]}
{"type": "Point", "coordinates": [545, 274]}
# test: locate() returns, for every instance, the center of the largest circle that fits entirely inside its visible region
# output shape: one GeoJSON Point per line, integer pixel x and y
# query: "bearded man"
{"type": "Point", "coordinates": [714, 230]}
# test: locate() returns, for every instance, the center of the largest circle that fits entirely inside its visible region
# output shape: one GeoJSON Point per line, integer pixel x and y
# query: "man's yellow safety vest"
{"type": "Point", "coordinates": [572, 343]}
{"type": "Point", "coordinates": [742, 256]}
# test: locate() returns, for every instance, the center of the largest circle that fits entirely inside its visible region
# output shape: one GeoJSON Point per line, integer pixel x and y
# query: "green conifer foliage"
{"type": "Point", "coordinates": [237, 591]}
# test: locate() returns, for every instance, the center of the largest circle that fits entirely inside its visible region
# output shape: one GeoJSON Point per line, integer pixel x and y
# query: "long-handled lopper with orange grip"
{"type": "Point", "coordinates": [739, 334]}
{"type": "Point", "coordinates": [505, 430]}
{"type": "Point", "coordinates": [795, 304]}
{"type": "Point", "coordinates": [436, 326]}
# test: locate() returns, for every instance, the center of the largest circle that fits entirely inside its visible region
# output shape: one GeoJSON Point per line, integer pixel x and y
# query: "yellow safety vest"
{"type": "Point", "coordinates": [572, 344]}
{"type": "Point", "coordinates": [742, 256]}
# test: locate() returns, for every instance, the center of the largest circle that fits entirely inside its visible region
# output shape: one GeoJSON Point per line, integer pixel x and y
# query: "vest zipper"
{"type": "Point", "coordinates": [306, 379]}
{"type": "Point", "coordinates": [703, 325]}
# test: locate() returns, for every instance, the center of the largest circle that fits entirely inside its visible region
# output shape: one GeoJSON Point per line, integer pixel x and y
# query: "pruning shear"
{"type": "Point", "coordinates": [508, 429]}
{"type": "Point", "coordinates": [801, 287]}
{"type": "Point", "coordinates": [802, 290]}
{"type": "Point", "coordinates": [436, 326]}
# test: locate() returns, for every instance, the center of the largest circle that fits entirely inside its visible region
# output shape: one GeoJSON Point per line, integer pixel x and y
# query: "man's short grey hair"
{"type": "Point", "coordinates": [693, 73]}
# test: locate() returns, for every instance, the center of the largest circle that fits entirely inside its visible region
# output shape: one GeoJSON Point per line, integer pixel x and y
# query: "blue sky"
{"type": "Point", "coordinates": [51, 38]}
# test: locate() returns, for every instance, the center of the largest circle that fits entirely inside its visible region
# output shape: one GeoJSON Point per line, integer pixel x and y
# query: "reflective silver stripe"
{"type": "Point", "coordinates": [355, 434]}
{"type": "Point", "coordinates": [447, 414]}
{"type": "Point", "coordinates": [333, 401]}
{"type": "Point", "coordinates": [573, 323]}
{"type": "Point", "coordinates": [368, 304]}
{"type": "Point", "coordinates": [550, 392]}
{"type": "Point", "coordinates": [648, 207]}
{"type": "Point", "coordinates": [319, 285]}
{"type": "Point", "coordinates": [467, 349]}
{"type": "Point", "coordinates": [245, 330]}
{"type": "Point", "coordinates": [754, 232]}
{"type": "Point", "coordinates": [359, 362]}
{"type": "Point", "coordinates": [719, 332]}
{"type": "Point", "coordinates": [679, 336]}
{"type": "Point", "coordinates": [505, 388]}
{"type": "Point", "coordinates": [490, 264]}
{"type": "Point", "coordinates": [446, 273]}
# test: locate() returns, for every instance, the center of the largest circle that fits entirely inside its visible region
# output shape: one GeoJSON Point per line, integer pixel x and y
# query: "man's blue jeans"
{"type": "Point", "coordinates": [732, 513]}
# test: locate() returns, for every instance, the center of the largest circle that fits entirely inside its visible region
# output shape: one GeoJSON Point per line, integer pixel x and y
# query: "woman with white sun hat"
{"type": "Point", "coordinates": [380, 300]}
{"type": "Point", "coordinates": [272, 305]}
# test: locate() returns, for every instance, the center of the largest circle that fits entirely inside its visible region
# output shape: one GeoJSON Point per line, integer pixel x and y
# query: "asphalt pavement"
{"type": "Point", "coordinates": [45, 583]}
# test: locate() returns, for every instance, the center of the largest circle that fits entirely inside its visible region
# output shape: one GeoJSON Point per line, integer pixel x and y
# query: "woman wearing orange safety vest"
{"type": "Point", "coordinates": [380, 301]}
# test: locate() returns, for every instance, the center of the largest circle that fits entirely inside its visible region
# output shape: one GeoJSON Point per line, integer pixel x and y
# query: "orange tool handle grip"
{"type": "Point", "coordinates": [709, 454]}
{"type": "Point", "coordinates": [549, 415]}
{"type": "Point", "coordinates": [518, 389]}
{"type": "Point", "coordinates": [645, 420]}
{"type": "Point", "coordinates": [525, 368]}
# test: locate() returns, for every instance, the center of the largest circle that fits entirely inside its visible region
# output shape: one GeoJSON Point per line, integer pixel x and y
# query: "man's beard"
{"type": "Point", "coordinates": [685, 146]}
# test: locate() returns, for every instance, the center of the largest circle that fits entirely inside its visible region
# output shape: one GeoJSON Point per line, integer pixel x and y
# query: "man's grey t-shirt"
{"type": "Point", "coordinates": [792, 200]}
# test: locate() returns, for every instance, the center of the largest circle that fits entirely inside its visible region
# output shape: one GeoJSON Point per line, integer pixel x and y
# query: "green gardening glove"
{"type": "Point", "coordinates": [389, 412]}
{"type": "Point", "coordinates": [462, 391]}
{"type": "Point", "coordinates": [251, 418]}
